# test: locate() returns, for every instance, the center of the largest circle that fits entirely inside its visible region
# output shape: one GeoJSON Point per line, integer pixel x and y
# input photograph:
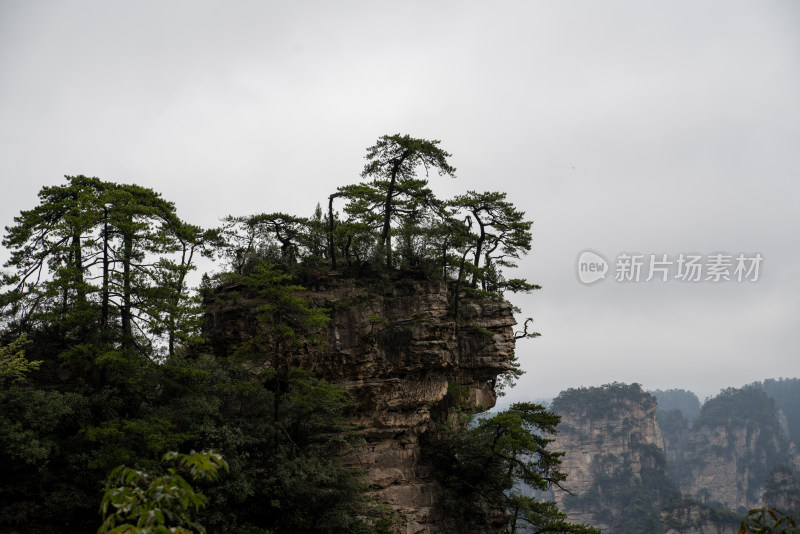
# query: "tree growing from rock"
{"type": "Point", "coordinates": [394, 190]}
{"type": "Point", "coordinates": [501, 236]}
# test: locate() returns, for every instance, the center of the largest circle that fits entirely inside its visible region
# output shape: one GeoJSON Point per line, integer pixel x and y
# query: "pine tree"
{"type": "Point", "coordinates": [394, 191]}
{"type": "Point", "coordinates": [485, 465]}
{"type": "Point", "coordinates": [100, 260]}
{"type": "Point", "coordinates": [501, 236]}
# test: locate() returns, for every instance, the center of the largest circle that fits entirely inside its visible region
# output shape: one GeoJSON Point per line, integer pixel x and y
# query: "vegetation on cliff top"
{"type": "Point", "coordinates": [750, 413]}
{"type": "Point", "coordinates": [599, 401]}
{"type": "Point", "coordinates": [99, 321]}
{"type": "Point", "coordinates": [629, 500]}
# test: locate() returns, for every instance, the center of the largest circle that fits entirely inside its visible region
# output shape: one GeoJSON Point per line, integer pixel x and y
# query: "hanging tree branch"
{"type": "Point", "coordinates": [525, 333]}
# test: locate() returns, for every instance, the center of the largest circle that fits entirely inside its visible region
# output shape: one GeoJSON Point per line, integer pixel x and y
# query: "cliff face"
{"type": "Point", "coordinates": [614, 448]}
{"type": "Point", "coordinates": [727, 454]}
{"type": "Point", "coordinates": [396, 347]}
{"type": "Point", "coordinates": [782, 490]}
{"type": "Point", "coordinates": [716, 466]}
{"type": "Point", "coordinates": [627, 469]}
{"type": "Point", "coordinates": [621, 430]}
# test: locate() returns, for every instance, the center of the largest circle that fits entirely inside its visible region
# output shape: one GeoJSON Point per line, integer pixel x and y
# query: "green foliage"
{"type": "Point", "coordinates": [96, 293]}
{"type": "Point", "coordinates": [508, 379]}
{"type": "Point", "coordinates": [392, 167]}
{"type": "Point", "coordinates": [394, 221]}
{"type": "Point", "coordinates": [101, 258]}
{"type": "Point", "coordinates": [38, 432]}
{"type": "Point", "coordinates": [135, 503]}
{"type": "Point", "coordinates": [378, 320]}
{"type": "Point", "coordinates": [768, 521]}
{"type": "Point", "coordinates": [748, 404]}
{"type": "Point", "coordinates": [131, 440]}
{"type": "Point", "coordinates": [595, 402]}
{"type": "Point", "coordinates": [14, 366]}
{"type": "Point", "coordinates": [502, 236]}
{"type": "Point", "coordinates": [526, 514]}
{"type": "Point", "coordinates": [58, 446]}
{"type": "Point", "coordinates": [480, 467]}
{"type": "Point", "coordinates": [274, 237]}
{"type": "Point", "coordinates": [285, 316]}
{"type": "Point", "coordinates": [30, 424]}
{"type": "Point", "coordinates": [482, 331]}
{"type": "Point", "coordinates": [286, 473]}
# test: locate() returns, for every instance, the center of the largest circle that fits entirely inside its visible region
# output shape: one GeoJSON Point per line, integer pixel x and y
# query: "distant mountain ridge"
{"type": "Point", "coordinates": [641, 463]}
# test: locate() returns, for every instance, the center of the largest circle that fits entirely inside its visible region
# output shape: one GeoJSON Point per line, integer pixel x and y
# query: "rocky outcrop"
{"type": "Point", "coordinates": [618, 420]}
{"type": "Point", "coordinates": [782, 490]}
{"type": "Point", "coordinates": [716, 467]}
{"type": "Point", "coordinates": [628, 465]}
{"type": "Point", "coordinates": [395, 345]}
{"type": "Point", "coordinates": [614, 452]}
{"type": "Point", "coordinates": [727, 454]}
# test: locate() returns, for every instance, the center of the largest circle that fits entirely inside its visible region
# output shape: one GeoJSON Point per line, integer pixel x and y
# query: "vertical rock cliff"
{"type": "Point", "coordinates": [630, 471]}
{"type": "Point", "coordinates": [614, 458]}
{"type": "Point", "coordinates": [727, 454]}
{"type": "Point", "coordinates": [782, 490]}
{"type": "Point", "coordinates": [396, 346]}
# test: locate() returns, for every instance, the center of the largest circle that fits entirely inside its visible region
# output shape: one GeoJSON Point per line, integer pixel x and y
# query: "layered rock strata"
{"type": "Point", "coordinates": [396, 346]}
{"type": "Point", "coordinates": [611, 439]}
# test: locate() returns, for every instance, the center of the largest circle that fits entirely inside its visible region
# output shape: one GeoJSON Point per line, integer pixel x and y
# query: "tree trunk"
{"type": "Point", "coordinates": [78, 265]}
{"type": "Point", "coordinates": [125, 312]}
{"type": "Point", "coordinates": [478, 247]}
{"type": "Point", "coordinates": [105, 296]}
{"type": "Point", "coordinates": [347, 249]}
{"type": "Point", "coordinates": [331, 247]}
{"type": "Point", "coordinates": [176, 304]}
{"type": "Point", "coordinates": [386, 239]}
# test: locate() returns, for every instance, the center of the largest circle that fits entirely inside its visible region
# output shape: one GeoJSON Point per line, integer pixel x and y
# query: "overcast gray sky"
{"type": "Point", "coordinates": [653, 127]}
